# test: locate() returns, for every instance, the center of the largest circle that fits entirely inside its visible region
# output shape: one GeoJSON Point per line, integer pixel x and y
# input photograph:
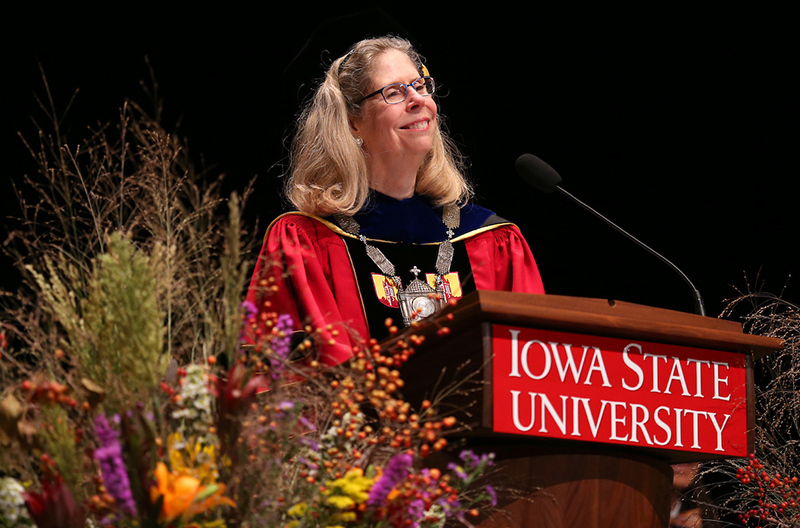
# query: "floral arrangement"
{"type": "Point", "coordinates": [128, 396]}
{"type": "Point", "coordinates": [762, 490]}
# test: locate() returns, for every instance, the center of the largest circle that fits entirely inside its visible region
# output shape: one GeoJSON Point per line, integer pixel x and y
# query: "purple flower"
{"type": "Point", "coordinates": [308, 463]}
{"type": "Point", "coordinates": [450, 507]}
{"type": "Point", "coordinates": [473, 461]}
{"type": "Point", "coordinates": [396, 470]}
{"type": "Point", "coordinates": [280, 344]}
{"type": "Point", "coordinates": [249, 309]}
{"type": "Point", "coordinates": [307, 424]}
{"type": "Point", "coordinates": [112, 467]}
{"type": "Point", "coordinates": [458, 470]}
{"type": "Point", "coordinates": [285, 406]}
{"type": "Point", "coordinates": [492, 495]}
{"type": "Point", "coordinates": [309, 443]}
{"type": "Point", "coordinates": [416, 511]}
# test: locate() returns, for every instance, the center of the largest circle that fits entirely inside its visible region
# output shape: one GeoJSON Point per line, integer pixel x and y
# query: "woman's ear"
{"type": "Point", "coordinates": [354, 129]}
{"type": "Point", "coordinates": [354, 125]}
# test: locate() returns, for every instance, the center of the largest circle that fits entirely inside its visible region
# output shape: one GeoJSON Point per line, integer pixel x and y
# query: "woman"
{"type": "Point", "coordinates": [383, 228]}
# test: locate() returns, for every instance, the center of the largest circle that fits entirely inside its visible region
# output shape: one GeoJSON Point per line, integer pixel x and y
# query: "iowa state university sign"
{"type": "Point", "coordinates": [619, 391]}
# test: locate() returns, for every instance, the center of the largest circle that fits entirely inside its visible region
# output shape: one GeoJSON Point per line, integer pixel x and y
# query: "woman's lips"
{"type": "Point", "coordinates": [422, 124]}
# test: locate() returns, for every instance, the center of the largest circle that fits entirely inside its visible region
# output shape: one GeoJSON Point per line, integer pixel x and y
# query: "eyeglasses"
{"type": "Point", "coordinates": [397, 92]}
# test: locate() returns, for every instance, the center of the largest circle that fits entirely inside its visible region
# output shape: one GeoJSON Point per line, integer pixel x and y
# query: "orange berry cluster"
{"type": "Point", "coordinates": [402, 427]}
{"type": "Point", "coordinates": [262, 436]}
{"type": "Point", "coordinates": [49, 392]}
{"type": "Point", "coordinates": [101, 504]}
{"type": "Point", "coordinates": [260, 323]}
{"type": "Point", "coordinates": [777, 496]}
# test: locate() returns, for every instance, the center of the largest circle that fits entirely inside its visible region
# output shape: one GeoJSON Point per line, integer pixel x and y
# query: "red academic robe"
{"type": "Point", "coordinates": [305, 270]}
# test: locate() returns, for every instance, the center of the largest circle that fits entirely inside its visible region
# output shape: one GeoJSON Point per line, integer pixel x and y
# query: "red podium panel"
{"type": "Point", "coordinates": [587, 402]}
{"type": "Point", "coordinates": [619, 391]}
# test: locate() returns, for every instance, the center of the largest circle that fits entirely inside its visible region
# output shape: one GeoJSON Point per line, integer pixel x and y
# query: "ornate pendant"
{"type": "Point", "coordinates": [418, 300]}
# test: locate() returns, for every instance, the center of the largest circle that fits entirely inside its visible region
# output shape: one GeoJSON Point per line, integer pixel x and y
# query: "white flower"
{"type": "Point", "coordinates": [12, 506]}
{"type": "Point", "coordinates": [195, 400]}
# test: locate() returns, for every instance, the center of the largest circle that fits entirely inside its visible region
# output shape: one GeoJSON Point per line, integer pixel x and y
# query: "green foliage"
{"type": "Point", "coordinates": [125, 322]}
{"type": "Point", "coordinates": [58, 440]}
{"type": "Point", "coordinates": [131, 260]}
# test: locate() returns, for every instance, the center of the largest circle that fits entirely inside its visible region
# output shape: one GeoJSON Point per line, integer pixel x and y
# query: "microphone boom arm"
{"type": "Point", "coordinates": [698, 299]}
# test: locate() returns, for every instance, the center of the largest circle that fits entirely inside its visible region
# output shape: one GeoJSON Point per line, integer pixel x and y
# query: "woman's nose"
{"type": "Point", "coordinates": [414, 98]}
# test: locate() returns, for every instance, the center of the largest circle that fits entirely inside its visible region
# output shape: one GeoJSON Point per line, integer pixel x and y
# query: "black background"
{"type": "Point", "coordinates": [679, 126]}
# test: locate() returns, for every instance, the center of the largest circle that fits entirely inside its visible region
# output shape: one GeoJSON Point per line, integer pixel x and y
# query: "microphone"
{"type": "Point", "coordinates": [543, 177]}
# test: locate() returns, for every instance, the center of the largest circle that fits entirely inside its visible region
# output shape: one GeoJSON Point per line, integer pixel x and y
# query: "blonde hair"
{"type": "Point", "coordinates": [328, 171]}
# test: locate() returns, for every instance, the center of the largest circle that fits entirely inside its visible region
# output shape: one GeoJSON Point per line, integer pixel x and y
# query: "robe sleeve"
{"type": "Point", "coordinates": [502, 260]}
{"type": "Point", "coordinates": [304, 270]}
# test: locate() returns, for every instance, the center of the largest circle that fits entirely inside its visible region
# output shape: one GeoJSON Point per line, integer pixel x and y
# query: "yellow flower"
{"type": "Point", "coordinates": [354, 484]}
{"type": "Point", "coordinates": [347, 516]}
{"type": "Point", "coordinates": [298, 510]}
{"type": "Point", "coordinates": [352, 489]}
{"type": "Point", "coordinates": [342, 502]}
{"type": "Point", "coordinates": [190, 455]}
{"type": "Point", "coordinates": [184, 496]}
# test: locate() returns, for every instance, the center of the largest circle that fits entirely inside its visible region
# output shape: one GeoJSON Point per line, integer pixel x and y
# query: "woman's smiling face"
{"type": "Point", "coordinates": [401, 132]}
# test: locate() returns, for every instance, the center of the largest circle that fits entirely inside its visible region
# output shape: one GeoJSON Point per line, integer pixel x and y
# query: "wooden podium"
{"type": "Point", "coordinates": [586, 403]}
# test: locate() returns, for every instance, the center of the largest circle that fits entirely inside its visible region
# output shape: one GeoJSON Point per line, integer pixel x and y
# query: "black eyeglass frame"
{"type": "Point", "coordinates": [427, 80]}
